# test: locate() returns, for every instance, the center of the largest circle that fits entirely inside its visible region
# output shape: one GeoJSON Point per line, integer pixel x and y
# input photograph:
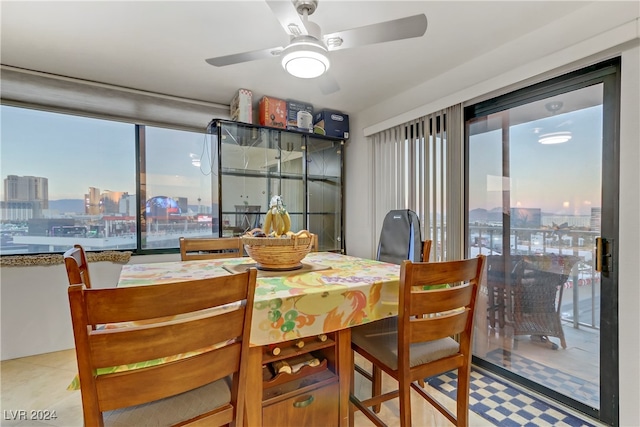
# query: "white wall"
{"type": "Point", "coordinates": [629, 248]}
{"type": "Point", "coordinates": [597, 32]}
{"type": "Point", "coordinates": [34, 314]}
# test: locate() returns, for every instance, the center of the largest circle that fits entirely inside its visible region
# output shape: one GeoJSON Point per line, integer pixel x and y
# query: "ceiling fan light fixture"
{"type": "Point", "coordinates": [305, 59]}
{"type": "Point", "coordinates": [554, 138]}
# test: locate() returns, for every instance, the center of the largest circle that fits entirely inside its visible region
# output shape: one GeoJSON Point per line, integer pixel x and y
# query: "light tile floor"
{"type": "Point", "coordinates": [38, 383]}
{"type": "Point", "coordinates": [580, 359]}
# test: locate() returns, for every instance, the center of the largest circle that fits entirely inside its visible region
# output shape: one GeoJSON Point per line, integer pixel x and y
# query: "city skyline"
{"type": "Point", "coordinates": [75, 153]}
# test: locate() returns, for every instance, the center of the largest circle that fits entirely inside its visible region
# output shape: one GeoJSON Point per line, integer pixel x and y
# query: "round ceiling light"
{"type": "Point", "coordinates": [554, 138]}
{"type": "Point", "coordinates": [305, 58]}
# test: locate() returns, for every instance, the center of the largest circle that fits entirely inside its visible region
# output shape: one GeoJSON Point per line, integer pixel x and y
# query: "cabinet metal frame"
{"type": "Point", "coordinates": [218, 127]}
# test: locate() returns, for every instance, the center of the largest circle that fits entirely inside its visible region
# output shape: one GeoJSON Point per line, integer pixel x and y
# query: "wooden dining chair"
{"type": "Point", "coordinates": [376, 373]}
{"type": "Point", "coordinates": [426, 250]}
{"type": "Point", "coordinates": [75, 261]}
{"type": "Point", "coordinates": [210, 248]}
{"type": "Point", "coordinates": [426, 254]}
{"type": "Point", "coordinates": [182, 358]}
{"type": "Point", "coordinates": [419, 342]}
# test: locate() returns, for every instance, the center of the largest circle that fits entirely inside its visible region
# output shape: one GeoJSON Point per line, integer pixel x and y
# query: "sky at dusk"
{"type": "Point", "coordinates": [76, 153]}
{"type": "Point", "coordinates": [563, 179]}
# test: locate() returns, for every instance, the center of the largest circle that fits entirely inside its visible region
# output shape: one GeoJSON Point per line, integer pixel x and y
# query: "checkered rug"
{"type": "Point", "coordinates": [504, 405]}
{"type": "Point", "coordinates": [577, 388]}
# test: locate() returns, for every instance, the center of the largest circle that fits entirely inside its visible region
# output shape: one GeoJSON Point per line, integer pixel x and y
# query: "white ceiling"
{"type": "Point", "coordinates": [161, 46]}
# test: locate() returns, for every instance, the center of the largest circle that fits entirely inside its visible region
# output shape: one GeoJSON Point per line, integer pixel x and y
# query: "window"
{"type": "Point", "coordinates": [178, 187]}
{"type": "Point", "coordinates": [70, 179]}
{"type": "Point", "coordinates": [65, 177]}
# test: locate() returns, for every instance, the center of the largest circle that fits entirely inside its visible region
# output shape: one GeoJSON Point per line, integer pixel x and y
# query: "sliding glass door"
{"type": "Point", "coordinates": [541, 192]}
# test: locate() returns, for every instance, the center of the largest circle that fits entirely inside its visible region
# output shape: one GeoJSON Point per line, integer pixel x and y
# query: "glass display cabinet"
{"type": "Point", "coordinates": [255, 163]}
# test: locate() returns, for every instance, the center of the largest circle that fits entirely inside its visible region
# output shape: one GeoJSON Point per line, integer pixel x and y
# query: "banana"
{"type": "Point", "coordinates": [287, 222]}
{"type": "Point", "coordinates": [280, 223]}
{"type": "Point", "coordinates": [267, 222]}
{"type": "Point", "coordinates": [277, 218]}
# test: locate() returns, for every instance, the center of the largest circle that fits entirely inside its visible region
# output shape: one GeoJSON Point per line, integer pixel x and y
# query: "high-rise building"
{"type": "Point", "coordinates": [596, 218]}
{"type": "Point", "coordinates": [27, 189]}
{"type": "Point", "coordinates": [110, 202]}
{"type": "Point", "coordinates": [92, 201]}
{"type": "Point", "coordinates": [127, 204]}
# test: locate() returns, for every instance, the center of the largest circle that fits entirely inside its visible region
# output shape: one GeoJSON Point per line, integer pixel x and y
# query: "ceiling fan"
{"type": "Point", "coordinates": [306, 54]}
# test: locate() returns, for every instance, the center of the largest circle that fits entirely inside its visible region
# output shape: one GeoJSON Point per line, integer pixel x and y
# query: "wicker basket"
{"type": "Point", "coordinates": [278, 253]}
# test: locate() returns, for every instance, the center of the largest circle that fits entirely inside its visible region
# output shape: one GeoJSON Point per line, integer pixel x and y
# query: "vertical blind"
{"type": "Point", "coordinates": [418, 165]}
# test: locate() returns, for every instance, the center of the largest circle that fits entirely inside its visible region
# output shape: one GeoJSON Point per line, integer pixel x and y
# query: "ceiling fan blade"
{"type": "Point", "coordinates": [238, 58]}
{"type": "Point", "coordinates": [288, 17]}
{"type": "Point", "coordinates": [328, 84]}
{"type": "Point", "coordinates": [397, 29]}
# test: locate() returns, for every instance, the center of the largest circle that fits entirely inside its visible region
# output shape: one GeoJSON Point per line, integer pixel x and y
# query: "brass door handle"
{"type": "Point", "coordinates": [599, 248]}
{"type": "Point", "coordinates": [603, 254]}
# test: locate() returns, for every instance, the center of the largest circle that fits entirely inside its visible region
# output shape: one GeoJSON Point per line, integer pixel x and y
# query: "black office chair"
{"type": "Point", "coordinates": [400, 237]}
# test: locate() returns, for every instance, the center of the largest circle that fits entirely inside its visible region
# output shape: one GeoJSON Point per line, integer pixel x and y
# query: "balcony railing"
{"type": "Point", "coordinates": [584, 281]}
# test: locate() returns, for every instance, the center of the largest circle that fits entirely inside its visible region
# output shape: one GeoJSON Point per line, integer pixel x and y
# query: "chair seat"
{"type": "Point", "coordinates": [380, 339]}
{"type": "Point", "coordinates": [172, 410]}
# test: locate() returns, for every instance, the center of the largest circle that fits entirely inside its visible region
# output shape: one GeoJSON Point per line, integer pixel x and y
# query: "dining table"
{"type": "Point", "coordinates": [329, 293]}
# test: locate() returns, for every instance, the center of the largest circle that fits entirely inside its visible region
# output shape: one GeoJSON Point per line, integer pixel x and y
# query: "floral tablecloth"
{"type": "Point", "coordinates": [287, 305]}
{"type": "Point", "coordinates": [294, 305]}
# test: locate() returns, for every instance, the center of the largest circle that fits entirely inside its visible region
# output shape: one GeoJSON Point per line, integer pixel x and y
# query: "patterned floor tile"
{"type": "Point", "coordinates": [504, 405]}
{"type": "Point", "coordinates": [584, 391]}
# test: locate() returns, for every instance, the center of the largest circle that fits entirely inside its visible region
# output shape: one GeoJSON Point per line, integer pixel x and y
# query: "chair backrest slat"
{"type": "Point", "coordinates": [449, 272]}
{"type": "Point", "coordinates": [440, 300]}
{"type": "Point", "coordinates": [435, 328]}
{"type": "Point", "coordinates": [149, 384]}
{"type": "Point", "coordinates": [133, 344]}
{"type": "Point", "coordinates": [210, 248]}
{"type": "Point", "coordinates": [170, 299]}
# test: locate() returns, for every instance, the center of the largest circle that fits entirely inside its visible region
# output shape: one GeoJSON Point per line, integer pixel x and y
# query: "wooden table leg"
{"type": "Point", "coordinates": [345, 369]}
{"type": "Point", "coordinates": [254, 388]}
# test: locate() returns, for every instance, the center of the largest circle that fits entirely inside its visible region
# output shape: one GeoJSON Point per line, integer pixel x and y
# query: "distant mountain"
{"type": "Point", "coordinates": [478, 215]}
{"type": "Point", "coordinates": [67, 205]}
{"type": "Point", "coordinates": [484, 215]}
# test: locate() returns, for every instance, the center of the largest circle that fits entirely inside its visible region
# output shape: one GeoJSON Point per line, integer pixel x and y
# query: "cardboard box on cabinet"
{"type": "Point", "coordinates": [273, 112]}
{"type": "Point", "coordinates": [299, 116]}
{"type": "Point", "coordinates": [331, 123]}
{"type": "Point", "coordinates": [241, 106]}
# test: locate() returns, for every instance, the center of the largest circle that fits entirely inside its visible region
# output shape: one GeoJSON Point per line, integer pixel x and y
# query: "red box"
{"type": "Point", "coordinates": [273, 112]}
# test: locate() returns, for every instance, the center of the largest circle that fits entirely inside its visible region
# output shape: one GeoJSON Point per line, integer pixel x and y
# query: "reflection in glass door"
{"type": "Point", "coordinates": [535, 197]}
